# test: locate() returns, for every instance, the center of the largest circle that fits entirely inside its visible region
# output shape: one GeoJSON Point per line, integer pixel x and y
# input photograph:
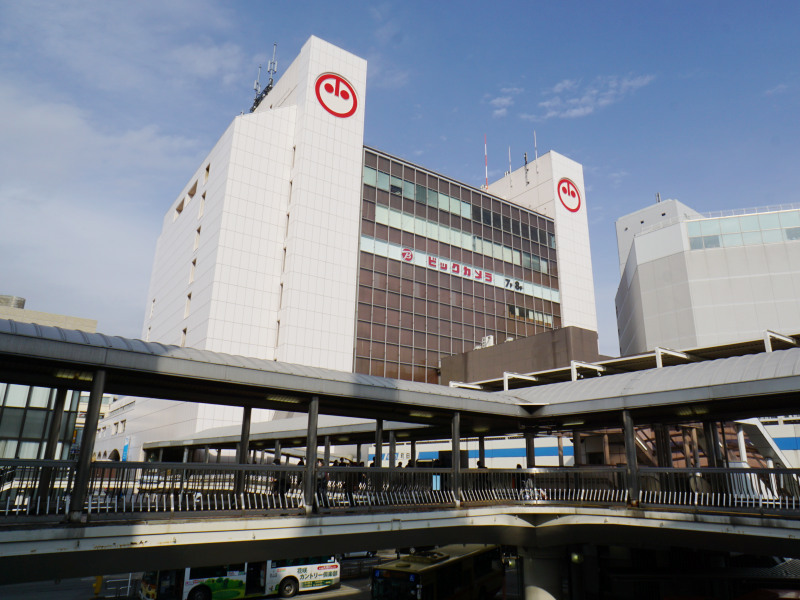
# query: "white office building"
{"type": "Point", "coordinates": [294, 242]}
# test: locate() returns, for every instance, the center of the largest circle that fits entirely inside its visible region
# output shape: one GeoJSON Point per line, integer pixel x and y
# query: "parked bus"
{"type": "Point", "coordinates": [245, 580]}
{"type": "Point", "coordinates": [457, 572]}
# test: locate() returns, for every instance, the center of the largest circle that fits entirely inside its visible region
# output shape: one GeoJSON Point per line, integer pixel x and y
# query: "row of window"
{"type": "Point", "coordinates": [455, 237]}
{"type": "Point", "coordinates": [744, 230]}
{"type": "Point", "coordinates": [465, 210]}
{"type": "Point", "coordinates": [530, 314]}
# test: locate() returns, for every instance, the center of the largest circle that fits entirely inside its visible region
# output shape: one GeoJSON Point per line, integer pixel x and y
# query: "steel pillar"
{"type": "Point", "coordinates": [83, 469]}
{"type": "Point", "coordinates": [311, 452]}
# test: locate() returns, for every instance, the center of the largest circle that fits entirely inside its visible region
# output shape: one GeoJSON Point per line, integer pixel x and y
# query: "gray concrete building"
{"type": "Point", "coordinates": [690, 280]}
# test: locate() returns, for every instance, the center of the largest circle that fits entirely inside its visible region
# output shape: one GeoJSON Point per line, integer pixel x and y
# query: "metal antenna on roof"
{"type": "Point", "coordinates": [486, 160]}
{"type": "Point", "coordinates": [272, 68]}
{"type": "Point", "coordinates": [526, 169]}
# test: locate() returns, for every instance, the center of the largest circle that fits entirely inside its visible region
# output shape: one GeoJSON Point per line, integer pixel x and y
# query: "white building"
{"type": "Point", "coordinates": [689, 280]}
{"type": "Point", "coordinates": [293, 242]}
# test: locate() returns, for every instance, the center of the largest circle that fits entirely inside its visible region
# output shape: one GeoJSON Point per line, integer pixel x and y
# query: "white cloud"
{"type": "Point", "coordinates": [569, 99]}
{"type": "Point", "coordinates": [500, 112]}
{"type": "Point", "coordinates": [778, 89]}
{"type": "Point", "coordinates": [501, 101]}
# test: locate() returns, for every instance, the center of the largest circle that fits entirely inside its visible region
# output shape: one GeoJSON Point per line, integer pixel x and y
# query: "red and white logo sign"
{"type": "Point", "coordinates": [336, 95]}
{"type": "Point", "coordinates": [408, 255]}
{"type": "Point", "coordinates": [569, 195]}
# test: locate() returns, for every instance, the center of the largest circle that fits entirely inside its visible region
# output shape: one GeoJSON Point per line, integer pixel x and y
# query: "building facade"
{"type": "Point", "coordinates": [691, 280]}
{"type": "Point", "coordinates": [294, 242]}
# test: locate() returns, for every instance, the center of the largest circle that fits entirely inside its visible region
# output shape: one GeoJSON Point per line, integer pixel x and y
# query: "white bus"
{"type": "Point", "coordinates": [245, 580]}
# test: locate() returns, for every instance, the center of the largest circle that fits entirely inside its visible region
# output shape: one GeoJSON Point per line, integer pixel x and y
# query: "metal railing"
{"type": "Point", "coordinates": [43, 490]}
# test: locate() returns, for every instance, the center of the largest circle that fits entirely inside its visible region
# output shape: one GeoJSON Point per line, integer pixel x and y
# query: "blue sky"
{"type": "Point", "coordinates": [108, 107]}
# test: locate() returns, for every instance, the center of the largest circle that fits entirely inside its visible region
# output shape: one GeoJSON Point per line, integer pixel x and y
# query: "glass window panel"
{"type": "Point", "coordinates": [729, 225]}
{"type": "Point", "coordinates": [444, 234]}
{"type": "Point", "coordinates": [526, 261]}
{"type": "Point", "coordinates": [508, 255]}
{"type": "Point", "coordinates": [749, 223]}
{"type": "Point", "coordinates": [466, 241]}
{"type": "Point", "coordinates": [34, 424]}
{"type": "Point", "coordinates": [709, 227]}
{"type": "Point", "coordinates": [444, 202]}
{"type": "Point", "coordinates": [17, 395]}
{"type": "Point", "coordinates": [383, 181]}
{"type": "Point", "coordinates": [422, 193]}
{"type": "Point", "coordinates": [751, 237]}
{"type": "Point", "coordinates": [772, 236]}
{"type": "Point", "coordinates": [793, 233]}
{"type": "Point", "coordinates": [381, 214]}
{"type": "Point", "coordinates": [693, 228]}
{"type": "Point", "coordinates": [552, 240]}
{"type": "Point", "coordinates": [40, 397]}
{"type": "Point", "coordinates": [408, 190]}
{"type": "Point", "coordinates": [466, 210]}
{"type": "Point", "coordinates": [696, 243]}
{"type": "Point", "coordinates": [732, 239]}
{"type": "Point", "coordinates": [370, 176]}
{"type": "Point", "coordinates": [8, 448]}
{"type": "Point", "coordinates": [543, 266]}
{"type": "Point", "coordinates": [711, 241]}
{"type": "Point", "coordinates": [395, 219]}
{"type": "Point", "coordinates": [516, 257]}
{"type": "Point", "coordinates": [420, 226]}
{"type": "Point", "coordinates": [790, 218]}
{"type": "Point", "coordinates": [433, 198]}
{"type": "Point", "coordinates": [432, 230]}
{"type": "Point", "coordinates": [497, 251]}
{"type": "Point", "coordinates": [769, 221]}
{"type": "Point", "coordinates": [11, 423]}
{"type": "Point", "coordinates": [28, 449]}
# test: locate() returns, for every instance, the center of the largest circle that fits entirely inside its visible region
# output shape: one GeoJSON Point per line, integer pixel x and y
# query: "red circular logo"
{"type": "Point", "coordinates": [408, 255]}
{"type": "Point", "coordinates": [336, 95]}
{"type": "Point", "coordinates": [569, 195]}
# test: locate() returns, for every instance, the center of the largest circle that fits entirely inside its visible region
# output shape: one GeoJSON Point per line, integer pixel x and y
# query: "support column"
{"type": "Point", "coordinates": [326, 457]}
{"type": "Point", "coordinates": [55, 424]}
{"type": "Point", "coordinates": [631, 468]}
{"type": "Point", "coordinates": [414, 452]}
{"type": "Point", "coordinates": [206, 454]}
{"type": "Point", "coordinates": [276, 453]}
{"type": "Point", "coordinates": [712, 443]}
{"type": "Point", "coordinates": [392, 450]}
{"type": "Point", "coordinates": [695, 449]}
{"type": "Point", "coordinates": [83, 469]}
{"type": "Point", "coordinates": [185, 458]}
{"type": "Point", "coordinates": [379, 443]}
{"type": "Point", "coordinates": [542, 572]}
{"type": "Point", "coordinates": [724, 448]}
{"type": "Point", "coordinates": [456, 451]}
{"type": "Point", "coordinates": [244, 440]}
{"type": "Point", "coordinates": [482, 451]}
{"type": "Point", "coordinates": [311, 453]}
{"type": "Point", "coordinates": [358, 453]}
{"type": "Point", "coordinates": [577, 449]}
{"type": "Point", "coordinates": [530, 449]}
{"type": "Point", "coordinates": [606, 450]}
{"type": "Point", "coordinates": [741, 443]}
{"type": "Point", "coordinates": [560, 450]}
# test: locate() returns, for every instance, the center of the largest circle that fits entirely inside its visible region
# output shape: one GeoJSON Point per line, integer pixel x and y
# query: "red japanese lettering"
{"type": "Point", "coordinates": [432, 261]}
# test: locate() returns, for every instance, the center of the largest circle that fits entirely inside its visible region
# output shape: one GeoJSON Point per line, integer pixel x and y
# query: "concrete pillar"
{"type": "Point", "coordinates": [55, 424]}
{"type": "Point", "coordinates": [631, 467]}
{"type": "Point", "coordinates": [695, 448]}
{"type": "Point", "coordinates": [712, 443]}
{"type": "Point", "coordinates": [577, 449]}
{"type": "Point", "coordinates": [606, 450]}
{"type": "Point", "coordinates": [482, 450]}
{"type": "Point", "coordinates": [560, 450]}
{"type": "Point", "coordinates": [185, 458]}
{"type": "Point", "coordinates": [530, 449]}
{"type": "Point", "coordinates": [456, 435]}
{"type": "Point", "coordinates": [83, 468]}
{"type": "Point", "coordinates": [392, 450]}
{"type": "Point", "coordinates": [311, 452]}
{"type": "Point", "coordinates": [358, 453]}
{"type": "Point", "coordinates": [244, 440]}
{"type": "Point", "coordinates": [542, 573]}
{"type": "Point", "coordinates": [326, 457]}
{"type": "Point", "coordinates": [206, 454]}
{"type": "Point", "coordinates": [379, 442]}
{"type": "Point", "coordinates": [414, 452]}
{"type": "Point", "coordinates": [741, 443]}
{"type": "Point", "coordinates": [276, 454]}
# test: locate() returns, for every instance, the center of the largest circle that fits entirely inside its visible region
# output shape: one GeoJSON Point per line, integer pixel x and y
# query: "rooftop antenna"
{"type": "Point", "coordinates": [272, 68]}
{"type": "Point", "coordinates": [658, 197]}
{"type": "Point", "coordinates": [526, 169]}
{"type": "Point", "coordinates": [486, 160]}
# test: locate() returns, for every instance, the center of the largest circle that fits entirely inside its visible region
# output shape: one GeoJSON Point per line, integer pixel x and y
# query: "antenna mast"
{"type": "Point", "coordinates": [272, 68]}
{"type": "Point", "coordinates": [486, 160]}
